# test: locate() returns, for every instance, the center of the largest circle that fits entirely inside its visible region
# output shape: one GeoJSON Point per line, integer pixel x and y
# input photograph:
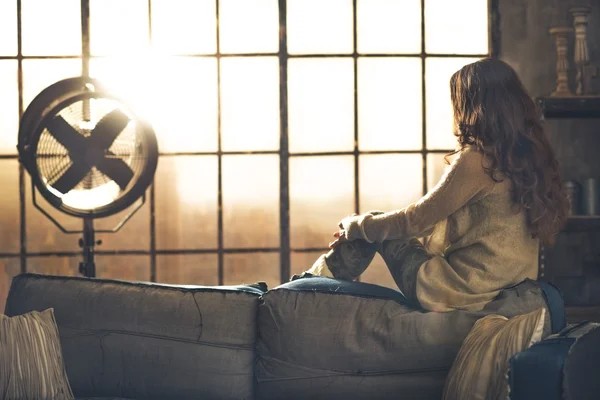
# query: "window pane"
{"type": "Point", "coordinates": [118, 27]}
{"type": "Point", "coordinates": [390, 181]}
{"type": "Point", "coordinates": [436, 166]}
{"type": "Point", "coordinates": [188, 269]}
{"type": "Point", "coordinates": [180, 102]}
{"type": "Point", "coordinates": [249, 26]}
{"type": "Point", "coordinates": [184, 26]}
{"type": "Point", "coordinates": [439, 109]}
{"type": "Point", "coordinates": [389, 26]}
{"type": "Point", "coordinates": [251, 201]}
{"type": "Point", "coordinates": [321, 104]}
{"type": "Point", "coordinates": [123, 267]}
{"type": "Point", "coordinates": [134, 235]}
{"type": "Point", "coordinates": [42, 234]}
{"type": "Point", "coordinates": [250, 103]}
{"type": "Point", "coordinates": [456, 27]}
{"type": "Point", "coordinates": [389, 104]}
{"type": "Point", "coordinates": [302, 261]}
{"type": "Point", "coordinates": [8, 29]}
{"type": "Point", "coordinates": [321, 194]}
{"type": "Point", "coordinates": [39, 74]}
{"type": "Point", "coordinates": [319, 27]}
{"type": "Point", "coordinates": [9, 268]}
{"type": "Point", "coordinates": [10, 209]}
{"type": "Point", "coordinates": [54, 265]}
{"type": "Point", "coordinates": [378, 274]}
{"type": "Point", "coordinates": [9, 103]}
{"type": "Point", "coordinates": [186, 202]}
{"type": "Point", "coordinates": [51, 27]}
{"type": "Point", "coordinates": [252, 268]}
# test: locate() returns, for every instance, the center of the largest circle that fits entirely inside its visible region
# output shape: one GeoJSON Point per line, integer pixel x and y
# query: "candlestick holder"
{"type": "Point", "coordinates": [562, 34]}
{"type": "Point", "coordinates": [585, 70]}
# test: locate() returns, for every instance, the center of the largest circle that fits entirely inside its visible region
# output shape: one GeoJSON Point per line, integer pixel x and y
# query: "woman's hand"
{"type": "Point", "coordinates": [340, 236]}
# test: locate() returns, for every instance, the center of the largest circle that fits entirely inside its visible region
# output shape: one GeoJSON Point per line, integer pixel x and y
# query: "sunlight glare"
{"type": "Point", "coordinates": [389, 26]}
{"type": "Point", "coordinates": [456, 26]}
{"type": "Point", "coordinates": [390, 181]}
{"type": "Point", "coordinates": [177, 95]}
{"type": "Point", "coordinates": [249, 26]}
{"type": "Point", "coordinates": [389, 104]}
{"type": "Point", "coordinates": [184, 26]}
{"type": "Point", "coordinates": [250, 103]}
{"type": "Point", "coordinates": [319, 27]}
{"type": "Point", "coordinates": [439, 108]}
{"type": "Point", "coordinates": [119, 27]}
{"type": "Point", "coordinates": [251, 193]}
{"type": "Point", "coordinates": [321, 194]}
{"type": "Point", "coordinates": [8, 28]}
{"type": "Point", "coordinates": [9, 103]}
{"type": "Point", "coordinates": [39, 74]}
{"type": "Point", "coordinates": [89, 198]}
{"type": "Point", "coordinates": [51, 27]}
{"type": "Point", "coordinates": [321, 104]}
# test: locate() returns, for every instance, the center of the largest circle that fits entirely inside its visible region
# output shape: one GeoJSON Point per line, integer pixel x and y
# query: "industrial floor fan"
{"type": "Point", "coordinates": [88, 155]}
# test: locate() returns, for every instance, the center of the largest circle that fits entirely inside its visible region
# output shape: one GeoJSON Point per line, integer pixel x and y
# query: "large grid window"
{"type": "Point", "coordinates": [275, 119]}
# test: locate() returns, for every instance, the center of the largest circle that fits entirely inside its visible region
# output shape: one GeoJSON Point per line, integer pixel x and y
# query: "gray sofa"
{"type": "Point", "coordinates": [316, 338]}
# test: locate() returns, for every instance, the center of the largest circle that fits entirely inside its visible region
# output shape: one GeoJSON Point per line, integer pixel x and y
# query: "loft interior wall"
{"type": "Point", "coordinates": [526, 45]}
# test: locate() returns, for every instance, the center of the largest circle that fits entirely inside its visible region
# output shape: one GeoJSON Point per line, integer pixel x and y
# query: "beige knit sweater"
{"type": "Point", "coordinates": [480, 244]}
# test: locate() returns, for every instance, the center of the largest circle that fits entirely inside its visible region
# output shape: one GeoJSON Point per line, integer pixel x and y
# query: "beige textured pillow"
{"type": "Point", "coordinates": [479, 371]}
{"type": "Point", "coordinates": [31, 363]}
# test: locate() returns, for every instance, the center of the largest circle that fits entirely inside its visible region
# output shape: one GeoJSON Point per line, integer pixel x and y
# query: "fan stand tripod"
{"type": "Point", "coordinates": [88, 266]}
{"type": "Point", "coordinates": [88, 241]}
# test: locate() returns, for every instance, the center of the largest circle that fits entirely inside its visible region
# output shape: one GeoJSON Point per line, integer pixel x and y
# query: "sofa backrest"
{"type": "Point", "coordinates": [142, 340]}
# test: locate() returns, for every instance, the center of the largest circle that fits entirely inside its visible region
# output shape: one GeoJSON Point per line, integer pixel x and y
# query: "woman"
{"type": "Point", "coordinates": [484, 220]}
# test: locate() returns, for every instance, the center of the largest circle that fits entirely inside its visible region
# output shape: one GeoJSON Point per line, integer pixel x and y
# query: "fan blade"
{"type": "Point", "coordinates": [108, 128]}
{"type": "Point", "coordinates": [72, 176]}
{"type": "Point", "coordinates": [66, 135]}
{"type": "Point", "coordinates": [117, 170]}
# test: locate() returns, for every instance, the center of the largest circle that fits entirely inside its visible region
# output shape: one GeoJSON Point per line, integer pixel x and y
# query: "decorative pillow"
{"type": "Point", "coordinates": [480, 368]}
{"type": "Point", "coordinates": [31, 365]}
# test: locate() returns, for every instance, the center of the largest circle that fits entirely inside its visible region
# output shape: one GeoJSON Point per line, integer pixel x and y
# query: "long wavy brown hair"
{"type": "Point", "coordinates": [494, 112]}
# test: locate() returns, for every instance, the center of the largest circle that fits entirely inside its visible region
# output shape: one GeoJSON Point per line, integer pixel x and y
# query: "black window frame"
{"type": "Point", "coordinates": [284, 154]}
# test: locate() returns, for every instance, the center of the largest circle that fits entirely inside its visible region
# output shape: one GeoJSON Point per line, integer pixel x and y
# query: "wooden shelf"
{"type": "Point", "coordinates": [582, 223]}
{"type": "Point", "coordinates": [570, 107]}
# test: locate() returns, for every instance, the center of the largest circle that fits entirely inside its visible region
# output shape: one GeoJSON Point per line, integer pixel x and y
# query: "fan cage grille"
{"type": "Point", "coordinates": [53, 159]}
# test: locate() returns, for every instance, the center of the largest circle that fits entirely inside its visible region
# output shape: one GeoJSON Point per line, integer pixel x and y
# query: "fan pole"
{"type": "Point", "coordinates": [88, 267]}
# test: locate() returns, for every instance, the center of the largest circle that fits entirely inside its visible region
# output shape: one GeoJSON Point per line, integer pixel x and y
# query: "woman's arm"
{"type": "Point", "coordinates": [464, 182]}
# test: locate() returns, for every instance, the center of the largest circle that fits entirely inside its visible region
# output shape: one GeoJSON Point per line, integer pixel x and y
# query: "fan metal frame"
{"type": "Point", "coordinates": [33, 123]}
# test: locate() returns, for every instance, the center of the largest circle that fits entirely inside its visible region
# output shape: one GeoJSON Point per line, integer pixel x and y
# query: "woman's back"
{"type": "Point", "coordinates": [482, 247]}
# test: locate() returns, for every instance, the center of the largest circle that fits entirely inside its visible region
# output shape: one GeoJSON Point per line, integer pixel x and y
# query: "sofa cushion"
{"type": "Point", "coordinates": [141, 340]}
{"type": "Point", "coordinates": [480, 368]}
{"type": "Point", "coordinates": [31, 362]}
{"type": "Point", "coordinates": [319, 337]}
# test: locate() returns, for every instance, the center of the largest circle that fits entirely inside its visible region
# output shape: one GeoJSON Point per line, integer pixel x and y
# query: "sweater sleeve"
{"type": "Point", "coordinates": [464, 182]}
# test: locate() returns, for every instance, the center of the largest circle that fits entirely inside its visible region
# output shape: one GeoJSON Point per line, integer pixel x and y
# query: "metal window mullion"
{"type": "Point", "coordinates": [493, 29]}
{"type": "Point", "coordinates": [423, 100]}
{"type": "Point", "coordinates": [355, 105]}
{"type": "Point", "coordinates": [22, 195]}
{"type": "Point", "coordinates": [152, 199]}
{"type": "Point", "coordinates": [355, 109]}
{"type": "Point", "coordinates": [85, 38]}
{"type": "Point", "coordinates": [284, 155]}
{"type": "Point", "coordinates": [220, 246]}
